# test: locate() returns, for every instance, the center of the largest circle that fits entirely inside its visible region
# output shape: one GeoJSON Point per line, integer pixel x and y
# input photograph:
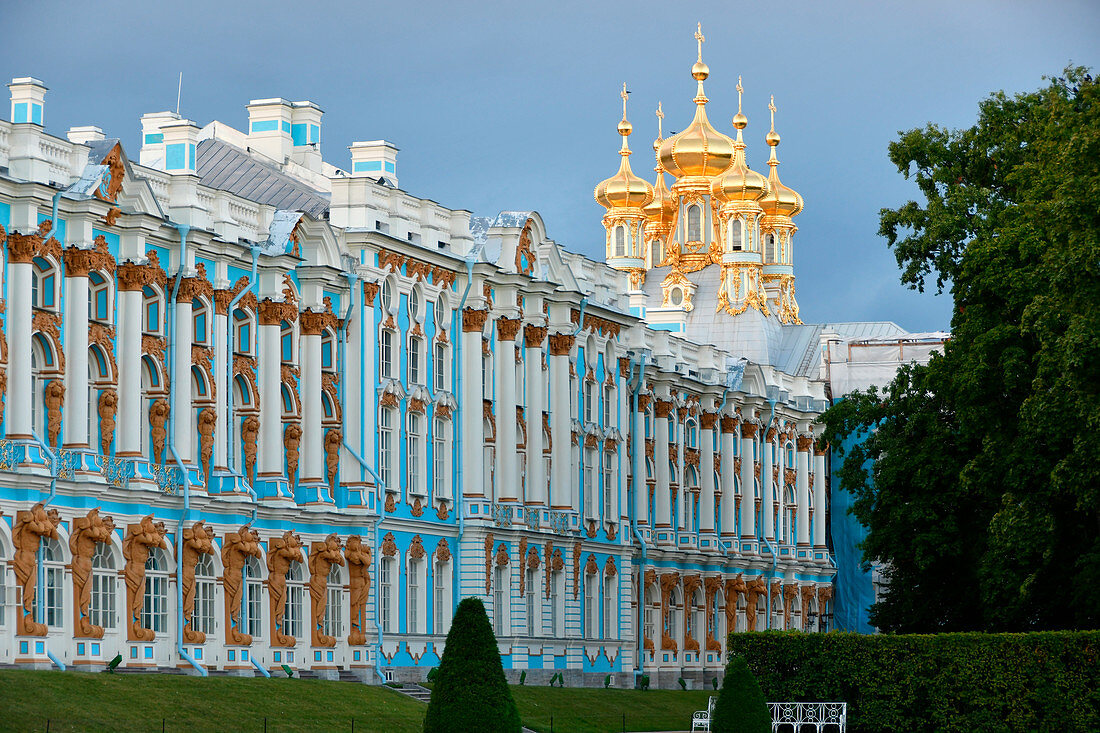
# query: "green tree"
{"type": "Point", "coordinates": [978, 475]}
{"type": "Point", "coordinates": [741, 707]}
{"type": "Point", "coordinates": [470, 692]}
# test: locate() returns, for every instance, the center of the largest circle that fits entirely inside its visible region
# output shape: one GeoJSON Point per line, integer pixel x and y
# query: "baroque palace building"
{"type": "Point", "coordinates": [261, 410]}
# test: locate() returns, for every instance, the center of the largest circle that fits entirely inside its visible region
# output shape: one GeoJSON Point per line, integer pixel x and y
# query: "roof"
{"type": "Point", "coordinates": [228, 168]}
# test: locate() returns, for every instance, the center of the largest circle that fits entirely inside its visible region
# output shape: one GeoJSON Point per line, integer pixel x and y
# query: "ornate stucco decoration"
{"type": "Point", "coordinates": [250, 431]}
{"type": "Point", "coordinates": [668, 582]}
{"type": "Point", "coordinates": [158, 433]}
{"type": "Point", "coordinates": [292, 440]}
{"type": "Point", "coordinates": [205, 422]}
{"type": "Point", "coordinates": [198, 539]}
{"type": "Point", "coordinates": [281, 552]}
{"type": "Point", "coordinates": [576, 569]}
{"type": "Point", "coordinates": [755, 588]}
{"type": "Point", "coordinates": [711, 585]}
{"type": "Point", "coordinates": [691, 583]}
{"type": "Point", "coordinates": [87, 532]}
{"type": "Point", "coordinates": [358, 557]}
{"type": "Point", "coordinates": [236, 549]}
{"type": "Point", "coordinates": [140, 539]}
{"type": "Point", "coordinates": [27, 532]}
{"type": "Point", "coordinates": [488, 562]}
{"type": "Point", "coordinates": [677, 291]}
{"type": "Point", "coordinates": [322, 556]}
{"type": "Point", "coordinates": [333, 440]}
{"type": "Point", "coordinates": [106, 408]}
{"type": "Point", "coordinates": [442, 551]}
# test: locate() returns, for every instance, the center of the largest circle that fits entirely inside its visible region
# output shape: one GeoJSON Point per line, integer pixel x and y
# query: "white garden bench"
{"type": "Point", "coordinates": [700, 719]}
{"type": "Point", "coordinates": [824, 717]}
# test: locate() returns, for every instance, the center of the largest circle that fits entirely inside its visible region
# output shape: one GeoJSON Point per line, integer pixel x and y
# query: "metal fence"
{"type": "Point", "coordinates": [799, 717]}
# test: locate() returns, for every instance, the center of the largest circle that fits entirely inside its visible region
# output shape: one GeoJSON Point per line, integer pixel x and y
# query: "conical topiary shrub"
{"type": "Point", "coordinates": [741, 707]}
{"type": "Point", "coordinates": [470, 692]}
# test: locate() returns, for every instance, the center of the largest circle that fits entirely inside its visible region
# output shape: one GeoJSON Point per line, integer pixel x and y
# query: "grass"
{"type": "Point", "coordinates": [98, 703]}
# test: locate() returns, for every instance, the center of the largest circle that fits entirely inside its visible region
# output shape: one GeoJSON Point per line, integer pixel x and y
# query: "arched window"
{"type": "Point", "coordinates": [387, 296]}
{"type": "Point", "coordinates": [672, 619]}
{"type": "Point", "coordinates": [697, 622]}
{"type": "Point", "coordinates": [252, 599]}
{"type": "Point", "coordinates": [791, 520]}
{"type": "Point", "coordinates": [652, 605]}
{"type": "Point", "coordinates": [414, 595]}
{"type": "Point", "coordinates": [735, 234]}
{"type": "Point", "coordinates": [203, 617]}
{"type": "Point", "coordinates": [609, 487]}
{"type": "Point", "coordinates": [201, 320]}
{"type": "Point", "coordinates": [557, 594]}
{"type": "Point", "coordinates": [386, 444]}
{"type": "Point", "coordinates": [532, 602]}
{"type": "Point", "coordinates": [4, 584]}
{"type": "Point", "coordinates": [242, 339]}
{"type": "Point", "coordinates": [328, 350]}
{"type": "Point", "coordinates": [415, 456]}
{"type": "Point", "coordinates": [151, 300]}
{"type": "Point", "coordinates": [99, 297]}
{"type": "Point", "coordinates": [386, 587]}
{"type": "Point", "coordinates": [441, 600]}
{"type": "Point", "coordinates": [610, 608]}
{"type": "Point", "coordinates": [386, 354]}
{"type": "Point", "coordinates": [769, 247]}
{"type": "Point", "coordinates": [101, 610]}
{"type": "Point", "coordinates": [620, 241]}
{"type": "Point", "coordinates": [334, 607]}
{"type": "Point", "coordinates": [154, 614]}
{"type": "Point", "coordinates": [52, 596]}
{"type": "Point", "coordinates": [591, 606]}
{"type": "Point", "coordinates": [295, 595]}
{"type": "Point", "coordinates": [289, 407]}
{"type": "Point", "coordinates": [694, 223]}
{"type": "Point", "coordinates": [692, 433]}
{"type": "Point", "coordinates": [500, 596]}
{"type": "Point", "coordinates": [589, 401]}
{"type": "Point", "coordinates": [718, 617]}
{"type": "Point", "coordinates": [440, 440]}
{"type": "Point", "coordinates": [591, 464]}
{"type": "Point", "coordinates": [44, 284]}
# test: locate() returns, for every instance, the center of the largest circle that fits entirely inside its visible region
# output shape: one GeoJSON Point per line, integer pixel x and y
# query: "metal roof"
{"type": "Point", "coordinates": [228, 168]}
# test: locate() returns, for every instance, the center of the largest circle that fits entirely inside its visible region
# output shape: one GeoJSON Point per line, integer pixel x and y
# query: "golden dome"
{"type": "Point", "coordinates": [661, 211]}
{"type": "Point", "coordinates": [781, 200]}
{"type": "Point", "coordinates": [739, 183]}
{"type": "Point", "coordinates": [700, 150]}
{"type": "Point", "coordinates": [624, 189]}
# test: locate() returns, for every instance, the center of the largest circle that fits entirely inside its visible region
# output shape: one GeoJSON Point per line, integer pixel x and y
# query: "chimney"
{"type": "Point", "coordinates": [269, 128]}
{"type": "Point", "coordinates": [374, 159]}
{"type": "Point", "coordinates": [305, 135]}
{"type": "Point", "coordinates": [180, 139]}
{"type": "Point", "coordinates": [85, 134]}
{"type": "Point", "coordinates": [28, 96]}
{"type": "Point", "coordinates": [152, 139]}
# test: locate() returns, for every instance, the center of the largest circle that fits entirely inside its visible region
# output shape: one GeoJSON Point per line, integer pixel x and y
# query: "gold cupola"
{"type": "Point", "coordinates": [624, 190]}
{"type": "Point", "coordinates": [739, 183]}
{"type": "Point", "coordinates": [699, 150]}
{"type": "Point", "coordinates": [781, 200]}
{"type": "Point", "coordinates": [661, 211]}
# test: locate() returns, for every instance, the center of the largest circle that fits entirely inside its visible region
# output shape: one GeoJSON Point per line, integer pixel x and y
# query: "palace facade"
{"type": "Point", "coordinates": [260, 409]}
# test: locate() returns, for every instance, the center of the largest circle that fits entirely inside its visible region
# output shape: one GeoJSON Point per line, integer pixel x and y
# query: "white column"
{"type": "Point", "coordinates": [504, 370]}
{"type": "Point", "coordinates": [367, 348]}
{"type": "Point", "coordinates": [748, 501]}
{"type": "Point", "coordinates": [662, 499]}
{"type": "Point", "coordinates": [76, 348]}
{"type": "Point", "coordinates": [312, 466]}
{"type": "Point", "coordinates": [638, 482]}
{"type": "Point", "coordinates": [19, 404]}
{"type": "Point", "coordinates": [767, 501]}
{"type": "Point", "coordinates": [729, 502]}
{"type": "Point", "coordinates": [819, 499]}
{"type": "Point", "coordinates": [221, 385]}
{"type": "Point", "coordinates": [802, 489]}
{"type": "Point", "coordinates": [269, 460]}
{"type": "Point", "coordinates": [182, 419]}
{"type": "Point", "coordinates": [706, 473]}
{"type": "Point", "coordinates": [533, 336]}
{"type": "Point", "coordinates": [351, 378]}
{"type": "Point", "coordinates": [128, 356]}
{"type": "Point", "coordinates": [473, 475]}
{"type": "Point", "coordinates": [561, 443]}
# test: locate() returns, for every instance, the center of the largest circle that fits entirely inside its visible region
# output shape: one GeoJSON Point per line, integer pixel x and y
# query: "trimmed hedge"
{"type": "Point", "coordinates": [740, 707]}
{"type": "Point", "coordinates": [1043, 681]}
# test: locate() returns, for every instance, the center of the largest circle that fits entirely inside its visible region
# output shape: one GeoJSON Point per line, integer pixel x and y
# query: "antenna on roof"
{"type": "Point", "coordinates": [179, 91]}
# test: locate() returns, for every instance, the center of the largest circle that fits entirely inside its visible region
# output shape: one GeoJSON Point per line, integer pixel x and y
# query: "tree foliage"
{"type": "Point", "coordinates": [984, 465]}
{"type": "Point", "coordinates": [470, 691]}
{"type": "Point", "coordinates": [741, 707]}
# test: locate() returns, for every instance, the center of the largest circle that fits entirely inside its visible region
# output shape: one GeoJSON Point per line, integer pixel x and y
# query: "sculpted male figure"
{"type": "Point", "coordinates": [236, 550]}
{"type": "Point", "coordinates": [29, 529]}
{"type": "Point", "coordinates": [140, 539]}
{"type": "Point", "coordinates": [358, 556]}
{"type": "Point", "coordinates": [322, 556]}
{"type": "Point", "coordinates": [281, 552]}
{"type": "Point", "coordinates": [88, 532]}
{"type": "Point", "coordinates": [198, 539]}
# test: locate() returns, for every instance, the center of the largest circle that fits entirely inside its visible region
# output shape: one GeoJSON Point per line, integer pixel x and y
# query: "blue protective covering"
{"type": "Point", "coordinates": [854, 590]}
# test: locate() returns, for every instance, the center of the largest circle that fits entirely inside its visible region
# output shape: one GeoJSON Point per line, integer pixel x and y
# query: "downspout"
{"type": "Point", "coordinates": [459, 504]}
{"type": "Point", "coordinates": [183, 229]}
{"type": "Point", "coordinates": [640, 634]}
{"type": "Point", "coordinates": [771, 547]}
{"type": "Point", "coordinates": [229, 376]}
{"type": "Point", "coordinates": [55, 468]}
{"type": "Point", "coordinates": [341, 346]}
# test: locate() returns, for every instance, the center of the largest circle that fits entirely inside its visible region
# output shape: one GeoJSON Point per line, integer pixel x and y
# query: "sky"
{"type": "Point", "coordinates": [514, 105]}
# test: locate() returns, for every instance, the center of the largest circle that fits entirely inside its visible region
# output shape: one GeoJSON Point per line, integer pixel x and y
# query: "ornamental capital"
{"type": "Point", "coordinates": [729, 424]}
{"type": "Point", "coordinates": [708, 420]}
{"type": "Point", "coordinates": [805, 442]}
{"type": "Point", "coordinates": [561, 344]}
{"type": "Point", "coordinates": [748, 430]}
{"type": "Point", "coordinates": [473, 320]}
{"type": "Point", "coordinates": [508, 328]}
{"type": "Point", "coordinates": [274, 312]}
{"type": "Point", "coordinates": [662, 408]}
{"type": "Point", "coordinates": [533, 335]}
{"type": "Point", "coordinates": [78, 262]}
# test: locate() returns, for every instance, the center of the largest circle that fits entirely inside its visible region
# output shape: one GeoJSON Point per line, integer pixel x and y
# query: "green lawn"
{"type": "Point", "coordinates": [92, 703]}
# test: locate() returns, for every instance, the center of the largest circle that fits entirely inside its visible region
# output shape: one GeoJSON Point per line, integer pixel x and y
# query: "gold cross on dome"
{"type": "Point", "coordinates": [700, 38]}
{"type": "Point", "coordinates": [740, 89]}
{"type": "Point", "coordinates": [624, 94]}
{"type": "Point", "coordinates": [660, 116]}
{"type": "Point", "coordinates": [771, 108]}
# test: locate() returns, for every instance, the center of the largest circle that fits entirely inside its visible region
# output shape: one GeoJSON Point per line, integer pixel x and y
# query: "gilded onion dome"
{"type": "Point", "coordinates": [781, 200]}
{"type": "Point", "coordinates": [624, 189]}
{"type": "Point", "coordinates": [700, 150]}
{"type": "Point", "coordinates": [739, 183]}
{"type": "Point", "coordinates": [661, 211]}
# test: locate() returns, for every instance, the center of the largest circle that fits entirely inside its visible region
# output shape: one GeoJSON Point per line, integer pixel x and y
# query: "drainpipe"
{"type": "Point", "coordinates": [771, 548]}
{"type": "Point", "coordinates": [55, 468]}
{"type": "Point", "coordinates": [457, 389]}
{"type": "Point", "coordinates": [183, 230]}
{"type": "Point", "coordinates": [342, 350]}
{"type": "Point", "coordinates": [580, 317]}
{"type": "Point", "coordinates": [640, 632]}
{"type": "Point", "coordinates": [259, 666]}
{"type": "Point", "coordinates": [229, 376]}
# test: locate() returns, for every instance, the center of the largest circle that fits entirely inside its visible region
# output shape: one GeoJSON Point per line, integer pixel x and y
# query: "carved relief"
{"type": "Point", "coordinates": [473, 320]}
{"type": "Point", "coordinates": [140, 539]}
{"type": "Point", "coordinates": [107, 406]}
{"type": "Point", "coordinates": [29, 529]}
{"type": "Point", "coordinates": [389, 545]}
{"type": "Point", "coordinates": [808, 592]}
{"type": "Point", "coordinates": [358, 557]}
{"type": "Point", "coordinates": [561, 344]}
{"type": "Point", "coordinates": [756, 588]}
{"type": "Point", "coordinates": [416, 548]}
{"type": "Point", "coordinates": [54, 399]}
{"type": "Point", "coordinates": [333, 440]}
{"type": "Point", "coordinates": [250, 431]}
{"type": "Point", "coordinates": [417, 508]}
{"type": "Point", "coordinates": [390, 505]}
{"type": "Point", "coordinates": [549, 552]}
{"type": "Point", "coordinates": [488, 563]}
{"type": "Point", "coordinates": [198, 539]}
{"type": "Point", "coordinates": [790, 592]}
{"type": "Point", "coordinates": [507, 328]}
{"type": "Point", "coordinates": [281, 552]}
{"type": "Point", "coordinates": [158, 417]}
{"type": "Point", "coordinates": [205, 425]}
{"type": "Point", "coordinates": [442, 551]}
{"type": "Point", "coordinates": [576, 569]}
{"type": "Point", "coordinates": [691, 583]}
{"type": "Point", "coordinates": [502, 556]}
{"type": "Point", "coordinates": [805, 442]}
{"type": "Point", "coordinates": [710, 590]}
{"type": "Point", "coordinates": [668, 582]}
{"type": "Point", "coordinates": [322, 556]}
{"type": "Point", "coordinates": [533, 336]}
{"type": "Point", "coordinates": [292, 439]}
{"type": "Point", "coordinates": [236, 549]}
{"type": "Point", "coordinates": [273, 312]}
{"type": "Point", "coordinates": [87, 532]}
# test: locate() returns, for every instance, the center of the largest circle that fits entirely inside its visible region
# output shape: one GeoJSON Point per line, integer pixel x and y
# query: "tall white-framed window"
{"type": "Point", "coordinates": [154, 614]}
{"type": "Point", "coordinates": [202, 619]}
{"type": "Point", "coordinates": [532, 602]}
{"type": "Point", "coordinates": [386, 354]}
{"type": "Point", "coordinates": [439, 367]}
{"type": "Point", "coordinates": [591, 606]}
{"type": "Point", "coordinates": [649, 623]}
{"type": "Point", "coordinates": [386, 439]}
{"type": "Point", "coordinates": [252, 599]}
{"type": "Point", "coordinates": [4, 585]}
{"type": "Point", "coordinates": [769, 247]}
{"type": "Point", "coordinates": [610, 608]}
{"type": "Point", "coordinates": [440, 439]}
{"type": "Point", "coordinates": [293, 610]}
{"type": "Point", "coordinates": [53, 595]}
{"type": "Point", "coordinates": [441, 598]}
{"type": "Point", "coordinates": [589, 401]}
{"type": "Point", "coordinates": [102, 609]}
{"type": "Point", "coordinates": [694, 223]}
{"type": "Point", "coordinates": [414, 596]}
{"type": "Point", "coordinates": [416, 357]}
{"type": "Point", "coordinates": [609, 486]}
{"type": "Point", "coordinates": [500, 598]}
{"type": "Point", "coordinates": [697, 619]}
{"type": "Point", "coordinates": [415, 453]}
{"type": "Point", "coordinates": [488, 455]}
{"type": "Point", "coordinates": [608, 407]}
{"type": "Point", "coordinates": [386, 571]}
{"type": "Point", "coordinates": [620, 241]}
{"type": "Point", "coordinates": [736, 242]}
{"type": "Point", "coordinates": [590, 482]}
{"type": "Point", "coordinates": [334, 606]}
